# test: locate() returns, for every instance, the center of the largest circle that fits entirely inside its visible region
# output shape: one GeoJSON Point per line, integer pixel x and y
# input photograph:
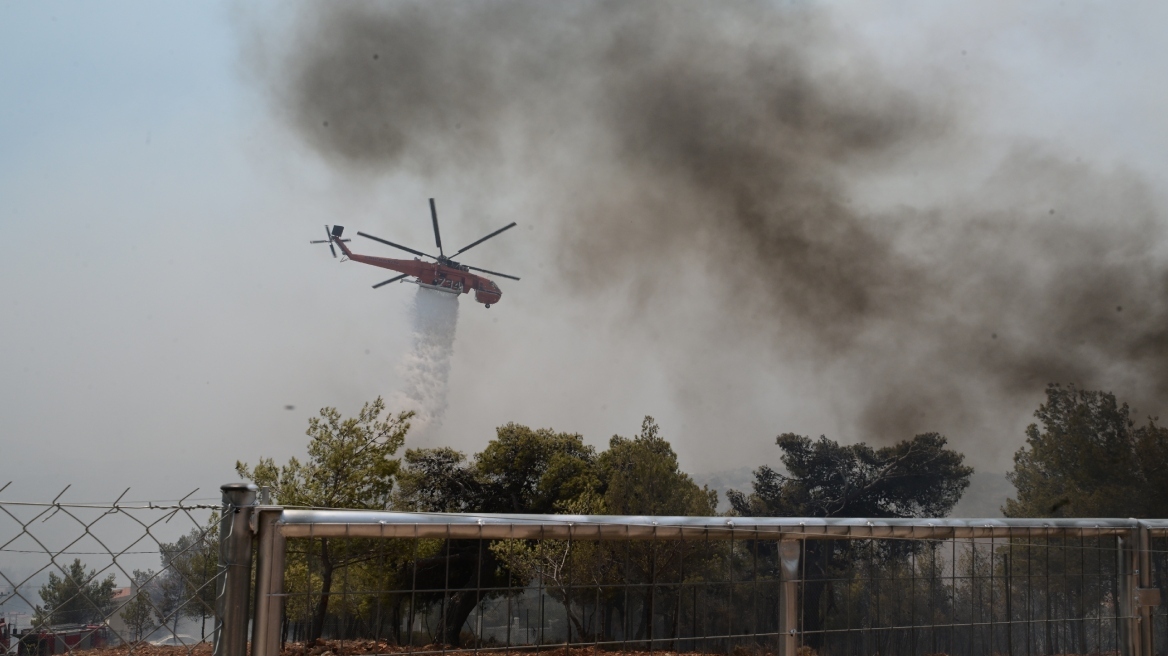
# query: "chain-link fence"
{"type": "Point", "coordinates": [124, 574]}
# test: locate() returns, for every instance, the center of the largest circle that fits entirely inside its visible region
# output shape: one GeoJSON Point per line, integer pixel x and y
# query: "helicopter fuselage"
{"type": "Point", "coordinates": [436, 276]}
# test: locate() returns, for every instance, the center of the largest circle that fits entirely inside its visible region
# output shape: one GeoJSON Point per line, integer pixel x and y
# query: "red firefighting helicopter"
{"type": "Point", "coordinates": [443, 275]}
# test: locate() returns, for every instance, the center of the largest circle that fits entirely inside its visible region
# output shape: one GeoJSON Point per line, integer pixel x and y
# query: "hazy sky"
{"type": "Point", "coordinates": [161, 304]}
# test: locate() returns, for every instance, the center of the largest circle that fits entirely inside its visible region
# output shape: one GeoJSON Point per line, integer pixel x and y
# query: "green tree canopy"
{"type": "Point", "coordinates": [920, 477]}
{"type": "Point", "coordinates": [525, 470]}
{"type": "Point", "coordinates": [138, 612]}
{"type": "Point", "coordinates": [641, 476]}
{"type": "Point", "coordinates": [193, 561]}
{"type": "Point", "coordinates": [536, 471]}
{"type": "Point", "coordinates": [75, 597]}
{"type": "Point", "coordinates": [522, 470]}
{"type": "Point", "coordinates": [634, 476]}
{"type": "Point", "coordinates": [350, 465]}
{"type": "Point", "coordinates": [1089, 459]}
{"type": "Point", "coordinates": [913, 478]}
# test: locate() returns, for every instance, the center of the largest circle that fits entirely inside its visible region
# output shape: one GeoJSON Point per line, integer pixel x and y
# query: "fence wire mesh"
{"type": "Point", "coordinates": [121, 574]}
{"type": "Point", "coordinates": [1048, 593]}
{"type": "Point", "coordinates": [962, 596]}
{"type": "Point", "coordinates": [487, 595]}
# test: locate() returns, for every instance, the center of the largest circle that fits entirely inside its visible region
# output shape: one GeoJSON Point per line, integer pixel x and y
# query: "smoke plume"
{"type": "Point", "coordinates": [734, 140]}
{"type": "Point", "coordinates": [425, 370]}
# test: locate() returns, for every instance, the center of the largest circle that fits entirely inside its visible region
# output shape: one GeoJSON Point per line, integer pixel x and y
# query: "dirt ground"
{"type": "Point", "coordinates": [362, 648]}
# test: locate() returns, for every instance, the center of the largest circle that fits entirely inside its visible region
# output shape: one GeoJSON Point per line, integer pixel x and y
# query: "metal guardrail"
{"type": "Point", "coordinates": [1125, 577]}
{"type": "Point", "coordinates": [298, 523]}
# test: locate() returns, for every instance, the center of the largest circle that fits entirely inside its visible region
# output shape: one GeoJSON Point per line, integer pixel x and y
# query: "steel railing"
{"type": "Point", "coordinates": [964, 585]}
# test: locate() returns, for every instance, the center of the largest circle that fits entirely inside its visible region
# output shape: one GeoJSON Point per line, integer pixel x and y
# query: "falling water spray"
{"type": "Point", "coordinates": [425, 369]}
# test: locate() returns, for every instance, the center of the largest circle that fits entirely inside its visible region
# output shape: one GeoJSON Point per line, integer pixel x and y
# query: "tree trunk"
{"type": "Point", "coordinates": [458, 608]}
{"type": "Point", "coordinates": [675, 632]}
{"type": "Point", "coordinates": [397, 618]}
{"type": "Point", "coordinates": [606, 625]}
{"type": "Point", "coordinates": [461, 573]}
{"type": "Point", "coordinates": [326, 586]}
{"type": "Point", "coordinates": [581, 628]}
{"type": "Point", "coordinates": [646, 628]}
{"type": "Point", "coordinates": [815, 558]}
{"type": "Point", "coordinates": [643, 621]}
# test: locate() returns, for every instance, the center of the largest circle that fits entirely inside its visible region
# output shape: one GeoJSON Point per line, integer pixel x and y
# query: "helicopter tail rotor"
{"type": "Point", "coordinates": [332, 235]}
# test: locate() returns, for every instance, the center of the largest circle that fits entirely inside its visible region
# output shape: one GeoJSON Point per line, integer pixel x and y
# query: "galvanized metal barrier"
{"type": "Point", "coordinates": [1115, 598]}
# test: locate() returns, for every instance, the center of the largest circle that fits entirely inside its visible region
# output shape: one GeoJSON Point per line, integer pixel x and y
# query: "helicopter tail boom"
{"type": "Point", "coordinates": [336, 237]}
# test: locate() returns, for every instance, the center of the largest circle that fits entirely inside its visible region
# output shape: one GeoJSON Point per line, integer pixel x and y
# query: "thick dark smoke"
{"type": "Point", "coordinates": [730, 139]}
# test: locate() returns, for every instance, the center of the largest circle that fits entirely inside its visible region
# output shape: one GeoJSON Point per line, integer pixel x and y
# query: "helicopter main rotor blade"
{"type": "Point", "coordinates": [394, 279]}
{"type": "Point", "coordinates": [473, 244]}
{"type": "Point", "coordinates": [390, 243]}
{"type": "Point", "coordinates": [329, 235]}
{"type": "Point", "coordinates": [434, 218]}
{"type": "Point", "coordinates": [493, 273]}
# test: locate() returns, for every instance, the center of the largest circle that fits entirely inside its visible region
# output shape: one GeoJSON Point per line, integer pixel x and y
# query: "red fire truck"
{"type": "Point", "coordinates": [61, 638]}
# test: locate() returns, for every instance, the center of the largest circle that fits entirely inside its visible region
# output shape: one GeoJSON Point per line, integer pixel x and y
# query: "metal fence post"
{"type": "Point", "coordinates": [269, 592]}
{"type": "Point", "coordinates": [789, 551]}
{"type": "Point", "coordinates": [1142, 601]}
{"type": "Point", "coordinates": [234, 582]}
{"type": "Point", "coordinates": [1127, 571]}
